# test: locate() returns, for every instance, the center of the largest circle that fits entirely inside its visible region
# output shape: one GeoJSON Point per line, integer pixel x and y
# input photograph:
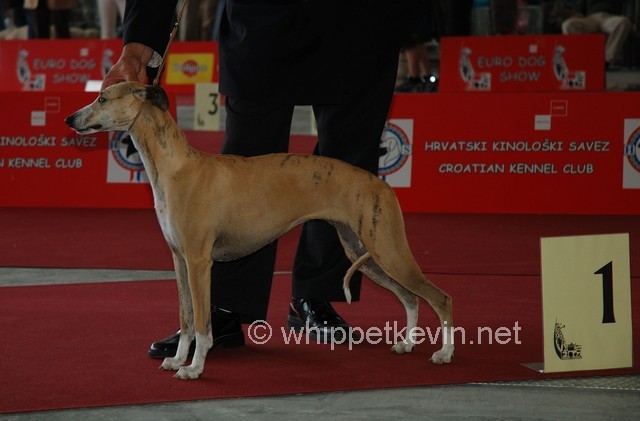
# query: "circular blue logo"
{"type": "Point", "coordinates": [632, 149]}
{"type": "Point", "coordinates": [124, 152]}
{"type": "Point", "coordinates": [395, 150]}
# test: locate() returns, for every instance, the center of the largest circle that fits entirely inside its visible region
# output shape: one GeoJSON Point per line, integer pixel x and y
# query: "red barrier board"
{"type": "Point", "coordinates": [55, 65]}
{"type": "Point", "coordinates": [45, 163]}
{"type": "Point", "coordinates": [66, 65]}
{"type": "Point", "coordinates": [522, 63]}
{"type": "Point", "coordinates": [566, 153]}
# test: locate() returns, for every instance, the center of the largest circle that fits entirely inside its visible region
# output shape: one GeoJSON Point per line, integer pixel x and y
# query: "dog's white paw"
{"type": "Point", "coordinates": [402, 347]}
{"type": "Point", "coordinates": [187, 373]}
{"type": "Point", "coordinates": [171, 364]}
{"type": "Point", "coordinates": [443, 356]}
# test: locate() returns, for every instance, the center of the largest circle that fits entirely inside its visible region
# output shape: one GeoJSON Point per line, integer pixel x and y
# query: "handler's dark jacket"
{"type": "Point", "coordinates": [288, 51]}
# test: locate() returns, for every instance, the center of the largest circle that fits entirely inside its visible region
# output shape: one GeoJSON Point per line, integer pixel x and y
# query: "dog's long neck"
{"type": "Point", "coordinates": [162, 145]}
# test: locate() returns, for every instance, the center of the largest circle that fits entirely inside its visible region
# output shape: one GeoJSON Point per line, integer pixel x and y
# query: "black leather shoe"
{"type": "Point", "coordinates": [227, 333]}
{"type": "Point", "coordinates": [318, 318]}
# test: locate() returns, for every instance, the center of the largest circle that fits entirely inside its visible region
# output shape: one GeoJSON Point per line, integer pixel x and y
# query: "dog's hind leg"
{"type": "Point", "coordinates": [186, 316]}
{"type": "Point", "coordinates": [199, 270]}
{"type": "Point", "coordinates": [442, 305]}
{"type": "Point", "coordinates": [390, 250]}
{"type": "Point", "coordinates": [358, 254]}
{"type": "Point", "coordinates": [406, 297]}
{"type": "Point", "coordinates": [414, 281]}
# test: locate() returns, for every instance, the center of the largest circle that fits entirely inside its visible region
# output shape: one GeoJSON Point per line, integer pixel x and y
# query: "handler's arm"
{"type": "Point", "coordinates": [146, 27]}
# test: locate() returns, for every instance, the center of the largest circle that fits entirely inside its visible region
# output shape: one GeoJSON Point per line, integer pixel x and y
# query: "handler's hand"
{"type": "Point", "coordinates": [131, 66]}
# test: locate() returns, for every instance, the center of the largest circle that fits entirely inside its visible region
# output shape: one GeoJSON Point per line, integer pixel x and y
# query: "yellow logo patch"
{"type": "Point", "coordinates": [189, 68]}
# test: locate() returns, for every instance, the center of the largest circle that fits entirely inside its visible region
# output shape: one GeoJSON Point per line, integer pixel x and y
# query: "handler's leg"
{"type": "Point", "coordinates": [350, 131]}
{"type": "Point", "coordinates": [243, 286]}
{"type": "Point", "coordinates": [240, 289]}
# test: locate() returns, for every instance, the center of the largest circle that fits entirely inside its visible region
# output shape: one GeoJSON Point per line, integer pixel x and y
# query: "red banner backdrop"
{"type": "Point", "coordinates": [503, 153]}
{"type": "Point", "coordinates": [568, 153]}
{"type": "Point", "coordinates": [55, 65]}
{"type": "Point", "coordinates": [559, 152]}
{"type": "Point", "coordinates": [531, 63]}
{"type": "Point", "coordinates": [66, 65]}
{"type": "Point", "coordinates": [44, 163]}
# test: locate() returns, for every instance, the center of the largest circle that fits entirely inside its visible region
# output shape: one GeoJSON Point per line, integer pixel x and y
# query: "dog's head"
{"type": "Point", "coordinates": [116, 108]}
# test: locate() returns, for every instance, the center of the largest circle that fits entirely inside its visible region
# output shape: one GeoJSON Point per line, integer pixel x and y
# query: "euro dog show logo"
{"type": "Point", "coordinates": [631, 159]}
{"type": "Point", "coordinates": [125, 164]}
{"type": "Point", "coordinates": [474, 81]}
{"type": "Point", "coordinates": [395, 153]}
{"type": "Point", "coordinates": [568, 79]}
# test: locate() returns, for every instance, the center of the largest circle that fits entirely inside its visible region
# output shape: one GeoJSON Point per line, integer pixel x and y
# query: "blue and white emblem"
{"type": "Point", "coordinates": [395, 153]}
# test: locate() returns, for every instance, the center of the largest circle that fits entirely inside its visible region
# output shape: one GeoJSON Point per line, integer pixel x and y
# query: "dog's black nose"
{"type": "Point", "coordinates": [69, 121]}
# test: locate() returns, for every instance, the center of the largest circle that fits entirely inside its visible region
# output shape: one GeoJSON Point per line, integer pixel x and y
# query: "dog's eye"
{"type": "Point", "coordinates": [101, 100]}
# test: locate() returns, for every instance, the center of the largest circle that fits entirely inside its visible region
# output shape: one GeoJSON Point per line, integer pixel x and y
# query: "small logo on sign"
{"type": "Point", "coordinates": [632, 149]}
{"type": "Point", "coordinates": [569, 80]}
{"type": "Point", "coordinates": [394, 164]}
{"type": "Point", "coordinates": [28, 80]}
{"type": "Point", "coordinates": [631, 157]}
{"type": "Point", "coordinates": [563, 350]}
{"type": "Point", "coordinates": [190, 68]}
{"type": "Point", "coordinates": [107, 62]}
{"type": "Point", "coordinates": [125, 164]}
{"type": "Point", "coordinates": [474, 81]}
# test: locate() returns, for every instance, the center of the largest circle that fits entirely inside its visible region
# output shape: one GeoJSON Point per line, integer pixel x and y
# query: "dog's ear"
{"type": "Point", "coordinates": [157, 96]}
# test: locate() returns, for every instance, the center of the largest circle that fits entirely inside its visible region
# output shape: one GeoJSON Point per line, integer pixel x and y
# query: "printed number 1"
{"type": "Point", "coordinates": [607, 292]}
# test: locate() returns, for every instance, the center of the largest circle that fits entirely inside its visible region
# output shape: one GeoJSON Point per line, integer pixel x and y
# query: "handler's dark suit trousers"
{"type": "Point", "coordinates": [349, 131]}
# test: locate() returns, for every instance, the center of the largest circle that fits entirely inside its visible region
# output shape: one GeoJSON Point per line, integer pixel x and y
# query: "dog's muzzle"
{"type": "Point", "coordinates": [71, 121]}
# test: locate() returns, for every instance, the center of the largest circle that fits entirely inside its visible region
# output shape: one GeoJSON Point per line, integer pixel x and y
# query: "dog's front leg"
{"type": "Point", "coordinates": [199, 271]}
{"type": "Point", "coordinates": [186, 316]}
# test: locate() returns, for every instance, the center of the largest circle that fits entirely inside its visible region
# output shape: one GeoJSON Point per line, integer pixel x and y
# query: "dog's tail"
{"type": "Point", "coordinates": [347, 277]}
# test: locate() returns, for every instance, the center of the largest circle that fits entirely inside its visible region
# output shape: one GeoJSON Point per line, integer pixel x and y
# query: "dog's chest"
{"type": "Point", "coordinates": [165, 223]}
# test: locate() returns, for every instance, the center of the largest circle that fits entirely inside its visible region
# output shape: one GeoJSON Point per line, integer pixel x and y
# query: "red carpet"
{"type": "Point", "coordinates": [84, 345]}
{"type": "Point", "coordinates": [131, 239]}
